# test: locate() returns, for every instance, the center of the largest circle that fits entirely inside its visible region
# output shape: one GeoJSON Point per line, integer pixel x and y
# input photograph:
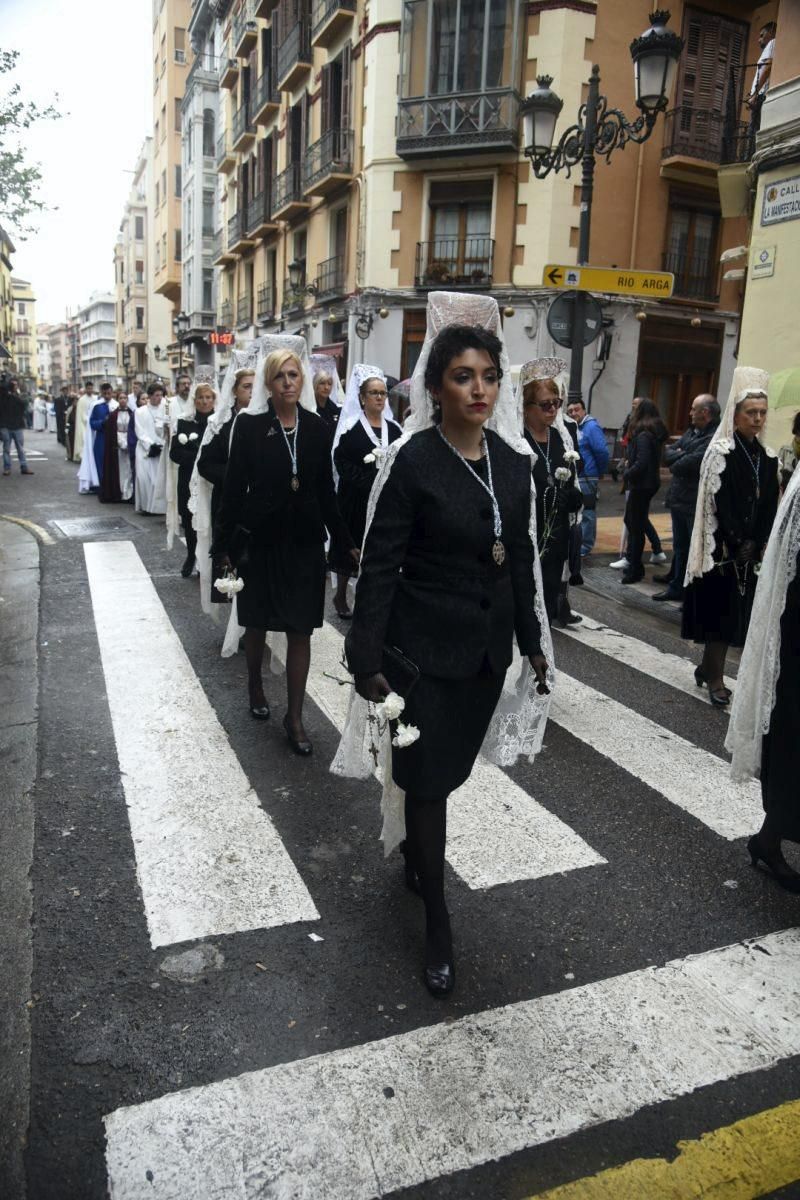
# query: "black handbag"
{"type": "Point", "coordinates": [400, 672]}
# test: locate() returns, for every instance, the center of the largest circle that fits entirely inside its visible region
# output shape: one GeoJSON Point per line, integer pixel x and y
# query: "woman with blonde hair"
{"type": "Point", "coordinates": [278, 506]}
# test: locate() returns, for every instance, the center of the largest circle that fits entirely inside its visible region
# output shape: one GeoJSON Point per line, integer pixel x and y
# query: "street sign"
{"type": "Point", "coordinates": [561, 319]}
{"type": "Point", "coordinates": [763, 264]}
{"type": "Point", "coordinates": [609, 279]}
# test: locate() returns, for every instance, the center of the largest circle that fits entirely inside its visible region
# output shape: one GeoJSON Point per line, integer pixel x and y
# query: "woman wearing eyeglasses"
{"type": "Point", "coordinates": [365, 431]}
{"type": "Point", "coordinates": [555, 460]}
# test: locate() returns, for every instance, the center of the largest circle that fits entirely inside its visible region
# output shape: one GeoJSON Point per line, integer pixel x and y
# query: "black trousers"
{"type": "Point", "coordinates": [637, 512]}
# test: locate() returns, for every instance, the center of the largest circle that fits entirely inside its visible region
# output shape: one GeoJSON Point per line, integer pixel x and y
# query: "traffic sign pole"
{"type": "Point", "coordinates": [587, 188]}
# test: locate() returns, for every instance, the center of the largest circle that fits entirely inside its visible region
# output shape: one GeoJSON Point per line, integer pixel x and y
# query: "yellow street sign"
{"type": "Point", "coordinates": [609, 279]}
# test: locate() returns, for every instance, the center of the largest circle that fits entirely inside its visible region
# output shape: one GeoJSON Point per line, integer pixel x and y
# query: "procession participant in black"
{"type": "Point", "coordinates": [449, 575]}
{"type": "Point", "coordinates": [365, 431]}
{"type": "Point", "coordinates": [205, 485]}
{"type": "Point", "coordinates": [327, 389]}
{"type": "Point", "coordinates": [62, 403]}
{"type": "Point", "coordinates": [555, 458]}
{"type": "Point", "coordinates": [116, 484]}
{"type": "Point", "coordinates": [278, 500]}
{"type": "Point", "coordinates": [183, 449]}
{"type": "Point", "coordinates": [736, 504]}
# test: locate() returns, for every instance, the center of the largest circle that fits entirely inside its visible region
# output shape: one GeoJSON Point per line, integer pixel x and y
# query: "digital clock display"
{"type": "Point", "coordinates": [221, 338]}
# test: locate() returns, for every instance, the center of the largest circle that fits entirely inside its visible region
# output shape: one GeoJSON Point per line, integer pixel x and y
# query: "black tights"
{"type": "Point", "coordinates": [298, 660]}
{"type": "Point", "coordinates": [189, 533]}
{"type": "Point", "coordinates": [426, 835]}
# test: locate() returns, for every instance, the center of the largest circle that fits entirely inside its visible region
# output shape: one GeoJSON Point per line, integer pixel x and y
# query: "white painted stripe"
{"type": "Point", "coordinates": [693, 779]}
{"type": "Point", "coordinates": [496, 831]}
{"type": "Point", "coordinates": [209, 859]}
{"type": "Point", "coordinates": [365, 1121]}
{"type": "Point", "coordinates": [672, 669]}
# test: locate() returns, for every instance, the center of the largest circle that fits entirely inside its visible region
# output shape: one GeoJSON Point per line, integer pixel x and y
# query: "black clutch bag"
{"type": "Point", "coordinates": [399, 671]}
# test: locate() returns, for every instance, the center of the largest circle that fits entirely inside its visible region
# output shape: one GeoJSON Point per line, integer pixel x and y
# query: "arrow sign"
{"type": "Point", "coordinates": [620, 282]}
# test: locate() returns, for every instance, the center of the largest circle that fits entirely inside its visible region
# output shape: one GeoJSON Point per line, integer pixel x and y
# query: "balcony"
{"type": "Point", "coordinates": [225, 315]}
{"type": "Point", "coordinates": [244, 133]}
{"type": "Point", "coordinates": [294, 57]}
{"type": "Point", "coordinates": [329, 18]}
{"type": "Point", "coordinates": [328, 163]}
{"type": "Point", "coordinates": [695, 276]}
{"type": "Point", "coordinates": [288, 200]}
{"type": "Point", "coordinates": [293, 301]}
{"type": "Point", "coordinates": [226, 159]}
{"type": "Point", "coordinates": [265, 8]}
{"type": "Point", "coordinates": [204, 69]}
{"type": "Point", "coordinates": [455, 262]}
{"type": "Point", "coordinates": [228, 73]}
{"type": "Point", "coordinates": [330, 279]}
{"type": "Point", "coordinates": [259, 215]}
{"type": "Point", "coordinates": [245, 30]}
{"type": "Point", "coordinates": [468, 121]}
{"type": "Point", "coordinates": [266, 101]}
{"type": "Point", "coordinates": [244, 310]}
{"type": "Point", "coordinates": [265, 303]}
{"type": "Point", "coordinates": [202, 322]}
{"type": "Point", "coordinates": [697, 141]}
{"type": "Point", "coordinates": [238, 240]}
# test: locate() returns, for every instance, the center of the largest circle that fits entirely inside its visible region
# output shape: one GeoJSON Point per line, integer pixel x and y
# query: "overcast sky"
{"type": "Point", "coordinates": [96, 55]}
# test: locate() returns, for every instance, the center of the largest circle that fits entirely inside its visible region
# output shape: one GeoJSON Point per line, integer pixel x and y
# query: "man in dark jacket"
{"type": "Point", "coordinates": [12, 424]}
{"type": "Point", "coordinates": [684, 461]}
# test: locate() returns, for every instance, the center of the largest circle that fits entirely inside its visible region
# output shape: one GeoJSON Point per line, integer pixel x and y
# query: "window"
{"type": "Point", "coordinates": [209, 123]}
{"type": "Point", "coordinates": [163, 54]}
{"type": "Point", "coordinates": [139, 271]}
{"type": "Point", "coordinates": [178, 188]}
{"type": "Point", "coordinates": [715, 48]}
{"type": "Point", "coordinates": [158, 191]}
{"type": "Point", "coordinates": [158, 255]}
{"type": "Point", "coordinates": [164, 187]}
{"type": "Point", "coordinates": [177, 245]}
{"type": "Point", "coordinates": [208, 212]}
{"type": "Point", "coordinates": [471, 46]}
{"type": "Point", "coordinates": [139, 227]}
{"type": "Point", "coordinates": [179, 37]}
{"type": "Point", "coordinates": [187, 220]}
{"type": "Point", "coordinates": [300, 245]}
{"type": "Point", "coordinates": [164, 249]}
{"type": "Point", "coordinates": [188, 141]}
{"type": "Point", "coordinates": [691, 252]}
{"type": "Point", "coordinates": [158, 131]}
{"type": "Point", "coordinates": [21, 308]}
{"type": "Point", "coordinates": [459, 249]}
{"type": "Point", "coordinates": [163, 122]}
{"type": "Point", "coordinates": [208, 290]}
{"type": "Point", "coordinates": [177, 111]}
{"type": "Point", "coordinates": [139, 317]}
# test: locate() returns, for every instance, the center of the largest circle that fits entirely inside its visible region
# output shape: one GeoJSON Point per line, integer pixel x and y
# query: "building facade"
{"type": "Point", "coordinates": [60, 364]}
{"type": "Point", "coordinates": [374, 194]}
{"type": "Point", "coordinates": [170, 68]}
{"type": "Point", "coordinates": [98, 346]}
{"type": "Point", "coordinates": [198, 150]}
{"type": "Point", "coordinates": [7, 315]}
{"type": "Point", "coordinates": [43, 358]}
{"type": "Point", "coordinates": [25, 361]}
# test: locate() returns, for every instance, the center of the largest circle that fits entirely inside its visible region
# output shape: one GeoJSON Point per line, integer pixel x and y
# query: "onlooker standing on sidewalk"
{"type": "Point", "coordinates": [684, 461]}
{"type": "Point", "coordinates": [12, 424]}
{"type": "Point", "coordinates": [642, 479]}
{"type": "Point", "coordinates": [789, 455]}
{"type": "Point", "coordinates": [594, 464]}
{"type": "Point", "coordinates": [62, 402]}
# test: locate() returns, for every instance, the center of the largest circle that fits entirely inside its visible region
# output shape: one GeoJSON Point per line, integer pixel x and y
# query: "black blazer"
{"type": "Point", "coordinates": [643, 470]}
{"type": "Point", "coordinates": [428, 583]}
{"type": "Point", "coordinates": [257, 494]}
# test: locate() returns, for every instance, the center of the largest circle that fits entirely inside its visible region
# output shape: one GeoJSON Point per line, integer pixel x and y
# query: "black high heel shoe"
{"type": "Point", "coordinates": [259, 709]}
{"type": "Point", "coordinates": [411, 876]}
{"type": "Point", "coordinates": [440, 970]}
{"type": "Point", "coordinates": [188, 566]}
{"type": "Point", "coordinates": [789, 882]}
{"type": "Point", "coordinates": [300, 747]}
{"type": "Point", "coordinates": [716, 697]}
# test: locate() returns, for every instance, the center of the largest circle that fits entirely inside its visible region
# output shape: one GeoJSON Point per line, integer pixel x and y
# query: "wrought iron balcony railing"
{"type": "Point", "coordinates": [202, 65]}
{"type": "Point", "coordinates": [327, 17]}
{"type": "Point", "coordinates": [293, 299]}
{"type": "Point", "coordinates": [225, 314]}
{"type": "Point", "coordinates": [259, 212]}
{"type": "Point", "coordinates": [266, 98]}
{"type": "Point", "coordinates": [265, 303]}
{"type": "Point", "coordinates": [330, 278]}
{"type": "Point", "coordinates": [331, 155]}
{"type": "Point", "coordinates": [455, 262]}
{"type": "Point", "coordinates": [288, 189]}
{"type": "Point", "coordinates": [245, 30]}
{"type": "Point", "coordinates": [461, 121]}
{"type": "Point", "coordinates": [242, 125]}
{"type": "Point", "coordinates": [244, 310]}
{"type": "Point", "coordinates": [294, 54]}
{"type": "Point", "coordinates": [693, 133]}
{"type": "Point", "coordinates": [695, 275]}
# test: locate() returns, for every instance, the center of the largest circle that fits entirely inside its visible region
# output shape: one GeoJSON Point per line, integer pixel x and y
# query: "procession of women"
{"type": "Point", "coordinates": [446, 534]}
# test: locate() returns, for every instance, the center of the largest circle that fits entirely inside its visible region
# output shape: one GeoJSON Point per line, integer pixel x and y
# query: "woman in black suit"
{"type": "Point", "coordinates": [447, 578]}
{"type": "Point", "coordinates": [278, 500]}
{"type": "Point", "coordinates": [183, 448]}
{"type": "Point", "coordinates": [647, 434]}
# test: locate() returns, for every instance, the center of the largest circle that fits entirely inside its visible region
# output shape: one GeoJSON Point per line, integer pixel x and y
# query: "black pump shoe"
{"type": "Point", "coordinates": [259, 709]}
{"type": "Point", "coordinates": [789, 880]}
{"type": "Point", "coordinates": [720, 698]}
{"type": "Point", "coordinates": [188, 566]}
{"type": "Point", "coordinates": [303, 749]}
{"type": "Point", "coordinates": [440, 979]}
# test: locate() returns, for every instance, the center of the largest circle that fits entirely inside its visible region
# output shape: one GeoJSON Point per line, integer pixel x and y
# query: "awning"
{"type": "Point", "coordinates": [3, 352]}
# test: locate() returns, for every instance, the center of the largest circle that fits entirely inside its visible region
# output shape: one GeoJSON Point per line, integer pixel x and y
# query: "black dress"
{"type": "Point", "coordinates": [329, 414]}
{"type": "Point", "coordinates": [212, 464]}
{"type": "Point", "coordinates": [780, 750]}
{"type": "Point", "coordinates": [430, 587]}
{"type": "Point", "coordinates": [717, 607]}
{"type": "Point", "coordinates": [184, 455]}
{"type": "Point", "coordinates": [355, 484]}
{"type": "Point", "coordinates": [555, 501]}
{"type": "Point", "coordinates": [274, 535]}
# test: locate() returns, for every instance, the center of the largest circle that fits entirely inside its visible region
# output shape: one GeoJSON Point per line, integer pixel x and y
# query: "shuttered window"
{"type": "Point", "coordinates": [713, 45]}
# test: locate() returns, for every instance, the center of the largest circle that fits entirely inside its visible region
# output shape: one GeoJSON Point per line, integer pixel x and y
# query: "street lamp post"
{"type": "Point", "coordinates": [180, 327]}
{"type": "Point", "coordinates": [599, 130]}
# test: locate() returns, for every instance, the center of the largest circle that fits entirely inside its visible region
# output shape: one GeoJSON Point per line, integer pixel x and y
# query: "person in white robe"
{"type": "Point", "coordinates": [151, 420]}
{"type": "Point", "coordinates": [88, 478]}
{"type": "Point", "coordinates": [39, 415]}
{"type": "Point", "coordinates": [86, 398]}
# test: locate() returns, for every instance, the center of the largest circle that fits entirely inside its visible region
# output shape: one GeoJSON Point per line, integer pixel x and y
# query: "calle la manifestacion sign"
{"type": "Point", "coordinates": [781, 201]}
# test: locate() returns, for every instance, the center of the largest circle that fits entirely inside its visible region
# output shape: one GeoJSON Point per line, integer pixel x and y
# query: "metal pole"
{"type": "Point", "coordinates": [587, 188]}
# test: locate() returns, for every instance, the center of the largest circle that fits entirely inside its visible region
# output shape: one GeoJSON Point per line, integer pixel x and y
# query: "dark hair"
{"type": "Point", "coordinates": [453, 341]}
{"type": "Point", "coordinates": [88, 383]}
{"type": "Point", "coordinates": [712, 407]}
{"type": "Point", "coordinates": [647, 419]}
{"type": "Point", "coordinates": [361, 387]}
{"type": "Point", "coordinates": [796, 425]}
{"type": "Point", "coordinates": [105, 387]}
{"type": "Point", "coordinates": [155, 387]}
{"type": "Point", "coordinates": [770, 27]}
{"type": "Point", "coordinates": [571, 402]}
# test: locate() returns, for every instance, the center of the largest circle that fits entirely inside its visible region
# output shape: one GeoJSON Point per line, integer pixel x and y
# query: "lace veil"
{"type": "Point", "coordinates": [204, 376]}
{"type": "Point", "coordinates": [518, 724]}
{"type": "Point", "coordinates": [200, 489]}
{"type": "Point", "coordinates": [326, 364]}
{"type": "Point", "coordinates": [547, 368]}
{"type": "Point", "coordinates": [352, 410]}
{"type": "Point", "coordinates": [747, 381]}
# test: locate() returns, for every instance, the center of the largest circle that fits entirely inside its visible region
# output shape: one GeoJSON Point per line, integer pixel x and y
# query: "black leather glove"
{"type": "Point", "coordinates": [154, 450]}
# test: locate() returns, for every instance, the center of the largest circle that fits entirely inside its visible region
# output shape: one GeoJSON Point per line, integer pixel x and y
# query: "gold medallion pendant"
{"type": "Point", "coordinates": [499, 553]}
{"type": "Point", "coordinates": [295, 484]}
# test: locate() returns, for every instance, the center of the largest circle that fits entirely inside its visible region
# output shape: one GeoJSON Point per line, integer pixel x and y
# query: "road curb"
{"type": "Point", "coordinates": [19, 696]}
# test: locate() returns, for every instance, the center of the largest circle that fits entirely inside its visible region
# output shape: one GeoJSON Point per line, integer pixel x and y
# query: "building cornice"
{"type": "Point", "coordinates": [382, 27]}
{"type": "Point", "coordinates": [535, 7]}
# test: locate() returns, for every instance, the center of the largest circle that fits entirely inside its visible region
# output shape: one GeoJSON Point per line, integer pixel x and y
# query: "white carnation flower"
{"type": "Point", "coordinates": [236, 585]}
{"type": "Point", "coordinates": [370, 458]}
{"type": "Point", "coordinates": [193, 437]}
{"type": "Point", "coordinates": [391, 707]}
{"type": "Point", "coordinates": [183, 439]}
{"type": "Point", "coordinates": [571, 456]}
{"type": "Point", "coordinates": [406, 736]}
{"type": "Point", "coordinates": [563, 473]}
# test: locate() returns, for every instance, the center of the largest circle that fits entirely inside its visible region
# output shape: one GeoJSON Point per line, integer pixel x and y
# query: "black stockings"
{"type": "Point", "coordinates": [254, 642]}
{"type": "Point", "coordinates": [298, 660]}
{"type": "Point", "coordinates": [426, 834]}
{"type": "Point", "coordinates": [714, 664]}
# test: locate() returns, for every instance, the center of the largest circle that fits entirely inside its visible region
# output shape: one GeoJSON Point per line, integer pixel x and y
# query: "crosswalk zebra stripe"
{"type": "Point", "coordinates": [395, 1113]}
{"type": "Point", "coordinates": [691, 778]}
{"type": "Point", "coordinates": [672, 669]}
{"type": "Point", "coordinates": [496, 832]}
{"type": "Point", "coordinates": [208, 858]}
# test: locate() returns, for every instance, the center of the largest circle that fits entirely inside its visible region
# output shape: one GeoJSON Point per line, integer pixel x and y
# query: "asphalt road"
{"type": "Point", "coordinates": [304, 1057]}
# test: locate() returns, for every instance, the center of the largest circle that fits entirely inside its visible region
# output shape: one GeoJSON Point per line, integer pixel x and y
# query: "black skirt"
{"type": "Point", "coordinates": [284, 586]}
{"type": "Point", "coordinates": [714, 610]}
{"type": "Point", "coordinates": [452, 716]}
{"type": "Point", "coordinates": [780, 751]}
